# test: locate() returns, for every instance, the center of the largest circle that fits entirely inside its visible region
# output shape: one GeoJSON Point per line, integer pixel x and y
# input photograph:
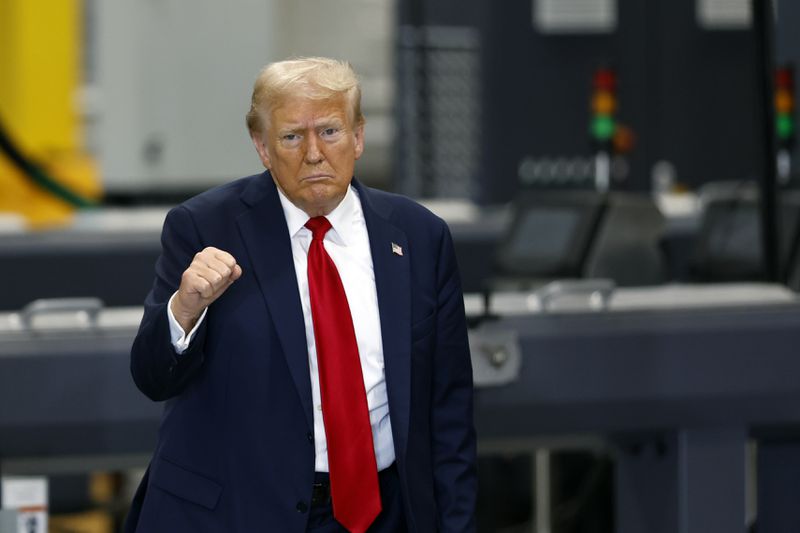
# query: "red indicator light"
{"type": "Point", "coordinates": [605, 79]}
{"type": "Point", "coordinates": [784, 78]}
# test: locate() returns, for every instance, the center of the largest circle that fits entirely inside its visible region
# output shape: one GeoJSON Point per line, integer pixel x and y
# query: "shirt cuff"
{"type": "Point", "coordinates": [180, 339]}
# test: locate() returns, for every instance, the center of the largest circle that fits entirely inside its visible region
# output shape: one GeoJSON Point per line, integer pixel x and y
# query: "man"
{"type": "Point", "coordinates": [308, 334]}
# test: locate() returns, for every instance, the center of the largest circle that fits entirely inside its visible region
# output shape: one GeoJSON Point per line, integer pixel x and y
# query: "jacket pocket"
{"type": "Point", "coordinates": [185, 484]}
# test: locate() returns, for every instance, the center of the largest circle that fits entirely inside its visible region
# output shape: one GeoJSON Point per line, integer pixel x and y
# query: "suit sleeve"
{"type": "Point", "coordinates": [453, 432]}
{"type": "Point", "coordinates": [158, 371]}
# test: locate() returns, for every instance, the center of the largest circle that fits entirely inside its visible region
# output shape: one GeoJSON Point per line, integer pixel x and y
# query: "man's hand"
{"type": "Point", "coordinates": [211, 273]}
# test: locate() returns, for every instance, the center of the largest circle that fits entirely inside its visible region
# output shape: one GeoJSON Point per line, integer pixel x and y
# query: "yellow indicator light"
{"type": "Point", "coordinates": [784, 102]}
{"type": "Point", "coordinates": [603, 103]}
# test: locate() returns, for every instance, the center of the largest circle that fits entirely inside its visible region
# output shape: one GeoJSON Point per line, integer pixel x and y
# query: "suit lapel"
{"type": "Point", "coordinates": [266, 237]}
{"type": "Point", "coordinates": [393, 284]}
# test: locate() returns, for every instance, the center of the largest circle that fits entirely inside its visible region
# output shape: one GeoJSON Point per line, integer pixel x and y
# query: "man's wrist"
{"type": "Point", "coordinates": [181, 334]}
{"type": "Point", "coordinates": [187, 320]}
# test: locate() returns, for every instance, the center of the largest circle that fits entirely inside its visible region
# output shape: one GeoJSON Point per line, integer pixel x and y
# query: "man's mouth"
{"type": "Point", "coordinates": [317, 177]}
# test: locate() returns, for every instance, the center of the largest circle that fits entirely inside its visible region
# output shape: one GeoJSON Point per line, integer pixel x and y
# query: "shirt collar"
{"type": "Point", "coordinates": [341, 218]}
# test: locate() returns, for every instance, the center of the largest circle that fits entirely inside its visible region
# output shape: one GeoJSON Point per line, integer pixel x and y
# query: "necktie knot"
{"type": "Point", "coordinates": [319, 226]}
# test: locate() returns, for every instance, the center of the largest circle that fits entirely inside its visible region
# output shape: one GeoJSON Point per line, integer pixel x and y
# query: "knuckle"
{"type": "Point", "coordinates": [206, 288]}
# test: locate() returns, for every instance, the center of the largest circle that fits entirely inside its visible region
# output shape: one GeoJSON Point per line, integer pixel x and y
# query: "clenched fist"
{"type": "Point", "coordinates": [211, 273]}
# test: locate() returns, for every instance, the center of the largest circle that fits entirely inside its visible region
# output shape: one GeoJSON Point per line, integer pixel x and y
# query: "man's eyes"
{"type": "Point", "coordinates": [290, 140]}
{"type": "Point", "coordinates": [293, 139]}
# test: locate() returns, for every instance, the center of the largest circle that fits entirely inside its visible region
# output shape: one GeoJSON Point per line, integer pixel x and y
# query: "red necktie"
{"type": "Point", "coordinates": [351, 456]}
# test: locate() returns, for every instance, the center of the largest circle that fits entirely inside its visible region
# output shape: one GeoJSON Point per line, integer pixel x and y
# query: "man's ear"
{"type": "Point", "coordinates": [359, 134]}
{"type": "Point", "coordinates": [261, 148]}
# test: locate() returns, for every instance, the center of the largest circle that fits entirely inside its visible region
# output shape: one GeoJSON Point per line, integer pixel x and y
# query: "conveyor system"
{"type": "Point", "coordinates": [676, 381]}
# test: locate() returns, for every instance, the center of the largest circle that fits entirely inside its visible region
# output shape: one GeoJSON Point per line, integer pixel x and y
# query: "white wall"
{"type": "Point", "coordinates": [173, 80]}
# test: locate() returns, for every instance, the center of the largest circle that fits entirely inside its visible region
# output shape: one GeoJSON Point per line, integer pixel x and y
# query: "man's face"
{"type": "Point", "coordinates": [310, 147]}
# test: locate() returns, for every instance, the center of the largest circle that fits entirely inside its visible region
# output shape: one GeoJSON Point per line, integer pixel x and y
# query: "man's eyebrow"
{"type": "Point", "coordinates": [327, 121]}
{"type": "Point", "coordinates": [293, 126]}
{"type": "Point", "coordinates": [324, 121]}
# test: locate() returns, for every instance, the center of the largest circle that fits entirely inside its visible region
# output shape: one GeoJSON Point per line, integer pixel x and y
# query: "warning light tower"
{"type": "Point", "coordinates": [784, 120]}
{"type": "Point", "coordinates": [603, 124]}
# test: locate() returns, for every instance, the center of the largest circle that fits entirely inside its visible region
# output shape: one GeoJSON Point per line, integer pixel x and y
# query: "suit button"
{"type": "Point", "coordinates": [301, 507]}
{"type": "Point", "coordinates": [310, 437]}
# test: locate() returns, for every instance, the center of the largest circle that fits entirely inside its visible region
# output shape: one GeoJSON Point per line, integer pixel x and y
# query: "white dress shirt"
{"type": "Point", "coordinates": [347, 243]}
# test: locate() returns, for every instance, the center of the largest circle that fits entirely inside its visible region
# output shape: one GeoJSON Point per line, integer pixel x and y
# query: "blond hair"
{"type": "Point", "coordinates": [317, 78]}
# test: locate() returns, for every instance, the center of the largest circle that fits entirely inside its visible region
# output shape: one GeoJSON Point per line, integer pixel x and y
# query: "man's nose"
{"type": "Point", "coordinates": [313, 153]}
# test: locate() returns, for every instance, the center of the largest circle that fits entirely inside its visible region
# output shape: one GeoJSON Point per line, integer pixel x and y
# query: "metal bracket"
{"type": "Point", "coordinates": [496, 356]}
{"type": "Point", "coordinates": [82, 310]}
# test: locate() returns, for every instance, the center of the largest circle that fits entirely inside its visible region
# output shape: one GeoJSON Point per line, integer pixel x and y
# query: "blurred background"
{"type": "Point", "coordinates": [618, 176]}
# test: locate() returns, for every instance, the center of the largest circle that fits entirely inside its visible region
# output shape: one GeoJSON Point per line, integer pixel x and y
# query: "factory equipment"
{"type": "Point", "coordinates": [674, 381]}
{"type": "Point", "coordinates": [45, 171]}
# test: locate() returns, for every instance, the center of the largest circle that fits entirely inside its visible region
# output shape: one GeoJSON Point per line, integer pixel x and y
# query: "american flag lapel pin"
{"type": "Point", "coordinates": [397, 249]}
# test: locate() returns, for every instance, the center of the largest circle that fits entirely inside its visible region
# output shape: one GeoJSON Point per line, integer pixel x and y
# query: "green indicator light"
{"type": "Point", "coordinates": [603, 127]}
{"type": "Point", "coordinates": [785, 126]}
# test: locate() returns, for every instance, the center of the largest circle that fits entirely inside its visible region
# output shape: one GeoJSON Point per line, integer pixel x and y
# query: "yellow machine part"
{"type": "Point", "coordinates": [40, 75]}
{"type": "Point", "coordinates": [41, 208]}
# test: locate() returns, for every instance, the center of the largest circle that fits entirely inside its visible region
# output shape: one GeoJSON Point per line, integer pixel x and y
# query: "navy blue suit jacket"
{"type": "Point", "coordinates": [235, 451]}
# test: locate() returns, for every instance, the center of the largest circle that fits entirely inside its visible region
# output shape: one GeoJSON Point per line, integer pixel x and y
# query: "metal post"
{"type": "Point", "coordinates": [541, 491]}
{"type": "Point", "coordinates": [763, 26]}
